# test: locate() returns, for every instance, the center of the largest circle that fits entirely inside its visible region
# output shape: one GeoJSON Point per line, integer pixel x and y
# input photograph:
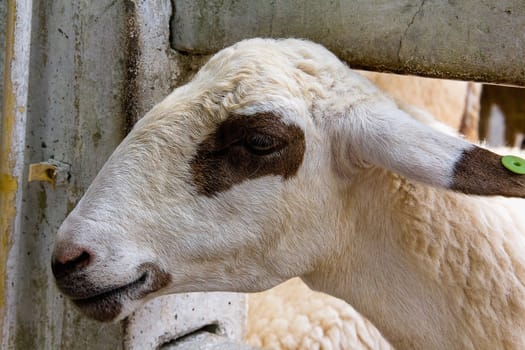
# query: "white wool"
{"type": "Point", "coordinates": [292, 316]}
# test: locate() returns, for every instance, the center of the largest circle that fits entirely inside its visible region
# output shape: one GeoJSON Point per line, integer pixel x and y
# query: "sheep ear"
{"type": "Point", "coordinates": [390, 138]}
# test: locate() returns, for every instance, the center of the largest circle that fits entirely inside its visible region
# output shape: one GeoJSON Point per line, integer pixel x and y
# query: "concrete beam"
{"type": "Point", "coordinates": [468, 40]}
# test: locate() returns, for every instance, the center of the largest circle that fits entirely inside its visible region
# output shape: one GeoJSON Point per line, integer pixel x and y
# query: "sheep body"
{"type": "Point", "coordinates": [470, 245]}
{"type": "Point", "coordinates": [291, 316]}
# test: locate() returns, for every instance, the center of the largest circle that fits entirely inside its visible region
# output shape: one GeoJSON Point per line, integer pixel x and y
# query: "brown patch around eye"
{"type": "Point", "coordinates": [247, 147]}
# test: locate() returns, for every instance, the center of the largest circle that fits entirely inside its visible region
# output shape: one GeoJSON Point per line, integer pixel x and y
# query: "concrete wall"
{"type": "Point", "coordinates": [468, 39]}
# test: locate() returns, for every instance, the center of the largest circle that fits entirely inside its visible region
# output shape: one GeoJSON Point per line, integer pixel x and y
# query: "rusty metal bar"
{"type": "Point", "coordinates": [12, 145]}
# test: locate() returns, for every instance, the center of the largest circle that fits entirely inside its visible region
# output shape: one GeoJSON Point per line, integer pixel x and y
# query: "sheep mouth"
{"type": "Point", "coordinates": [108, 304]}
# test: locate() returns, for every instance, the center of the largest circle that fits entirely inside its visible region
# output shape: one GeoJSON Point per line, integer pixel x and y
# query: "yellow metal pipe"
{"type": "Point", "coordinates": [8, 182]}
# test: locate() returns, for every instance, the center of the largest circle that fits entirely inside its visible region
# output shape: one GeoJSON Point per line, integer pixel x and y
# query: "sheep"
{"type": "Point", "coordinates": [277, 161]}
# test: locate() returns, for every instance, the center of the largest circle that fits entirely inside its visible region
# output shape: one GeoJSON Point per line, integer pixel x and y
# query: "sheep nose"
{"type": "Point", "coordinates": [69, 258]}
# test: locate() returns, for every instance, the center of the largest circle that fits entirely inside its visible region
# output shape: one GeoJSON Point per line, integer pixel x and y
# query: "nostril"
{"type": "Point", "coordinates": [64, 266]}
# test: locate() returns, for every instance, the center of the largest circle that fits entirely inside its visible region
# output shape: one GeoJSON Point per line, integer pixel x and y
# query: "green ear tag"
{"type": "Point", "coordinates": [514, 164]}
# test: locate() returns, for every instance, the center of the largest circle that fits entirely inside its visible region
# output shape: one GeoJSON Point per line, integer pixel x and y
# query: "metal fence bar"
{"type": "Point", "coordinates": [15, 81]}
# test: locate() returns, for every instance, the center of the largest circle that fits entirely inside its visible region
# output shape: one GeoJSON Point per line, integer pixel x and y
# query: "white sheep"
{"type": "Point", "coordinates": [277, 161]}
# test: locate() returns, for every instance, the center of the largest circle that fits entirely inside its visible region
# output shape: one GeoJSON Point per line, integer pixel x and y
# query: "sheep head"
{"type": "Point", "coordinates": [234, 181]}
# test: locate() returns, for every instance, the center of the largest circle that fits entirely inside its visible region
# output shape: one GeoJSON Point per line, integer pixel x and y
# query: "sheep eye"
{"type": "Point", "coordinates": [261, 145]}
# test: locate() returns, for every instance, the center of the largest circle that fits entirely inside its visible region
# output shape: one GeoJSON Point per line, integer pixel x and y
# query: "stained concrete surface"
{"type": "Point", "coordinates": [468, 40]}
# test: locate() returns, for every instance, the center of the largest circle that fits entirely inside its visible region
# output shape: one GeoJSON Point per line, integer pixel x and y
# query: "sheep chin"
{"type": "Point", "coordinates": [115, 303]}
